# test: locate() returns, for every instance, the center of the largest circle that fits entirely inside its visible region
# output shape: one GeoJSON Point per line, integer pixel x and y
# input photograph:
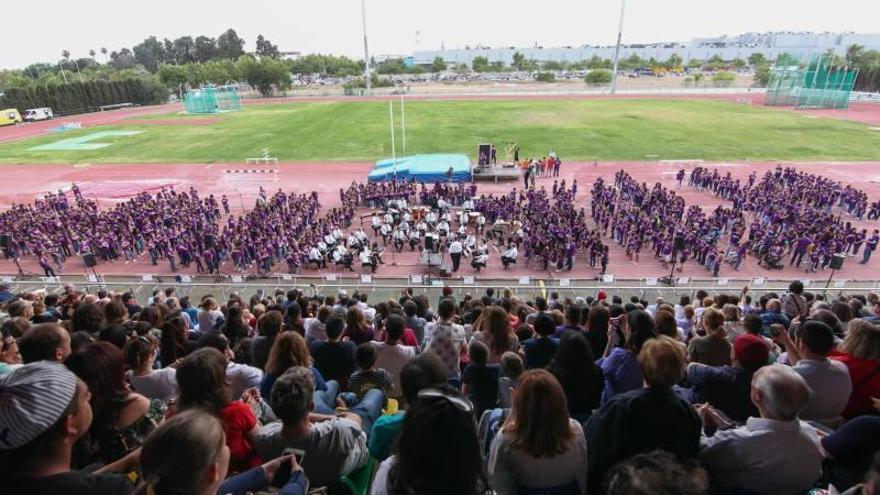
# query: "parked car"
{"type": "Point", "coordinates": [10, 116]}
{"type": "Point", "coordinates": [35, 114]}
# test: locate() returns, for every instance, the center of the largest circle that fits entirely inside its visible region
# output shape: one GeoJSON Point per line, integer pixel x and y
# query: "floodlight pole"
{"type": "Point", "coordinates": [366, 50]}
{"type": "Point", "coordinates": [403, 123]}
{"type": "Point", "coordinates": [617, 48]}
{"type": "Point", "coordinates": [391, 127]}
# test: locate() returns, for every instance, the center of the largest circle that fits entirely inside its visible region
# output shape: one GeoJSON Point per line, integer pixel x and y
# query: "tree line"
{"type": "Point", "coordinates": [87, 96]}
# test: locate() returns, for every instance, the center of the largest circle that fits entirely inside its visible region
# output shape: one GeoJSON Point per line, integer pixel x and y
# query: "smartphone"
{"type": "Point", "coordinates": [283, 473]}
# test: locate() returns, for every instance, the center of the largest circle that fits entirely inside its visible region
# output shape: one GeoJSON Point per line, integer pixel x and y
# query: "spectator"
{"type": "Point", "coordinates": [367, 377]}
{"type": "Point", "coordinates": [728, 388]}
{"type": "Point", "coordinates": [620, 365]}
{"type": "Point", "coordinates": [657, 473]}
{"type": "Point", "coordinates": [712, 349]}
{"type": "Point", "coordinates": [235, 328]}
{"type": "Point", "coordinates": [175, 343]}
{"type": "Point", "coordinates": [45, 342]}
{"type": "Point", "coordinates": [335, 445]}
{"type": "Point", "coordinates": [315, 326]}
{"type": "Point", "coordinates": [87, 317]}
{"type": "Point", "coordinates": [10, 358]}
{"type": "Point", "coordinates": [446, 339]}
{"type": "Point", "coordinates": [645, 419]}
{"type": "Point", "coordinates": [539, 350]}
{"type": "Point", "coordinates": [414, 321]}
{"type": "Point", "coordinates": [44, 411]}
{"type": "Point", "coordinates": [686, 321]}
{"type": "Point", "coordinates": [356, 328]}
{"type": "Point", "coordinates": [209, 316]}
{"type": "Point", "coordinates": [539, 446]}
{"type": "Point", "coordinates": [511, 369]}
{"type": "Point", "coordinates": [289, 350]}
{"type": "Point", "coordinates": [391, 355]}
{"type": "Point", "coordinates": [752, 457]}
{"type": "Point", "coordinates": [115, 312]}
{"type": "Point", "coordinates": [188, 455]}
{"type": "Point", "coordinates": [794, 305]}
{"type": "Point", "coordinates": [493, 328]}
{"type": "Point", "coordinates": [572, 321]}
{"type": "Point", "coordinates": [269, 327]}
{"type": "Point", "coordinates": [581, 379]}
{"type": "Point", "coordinates": [122, 419]}
{"type": "Point", "coordinates": [293, 320]}
{"type": "Point", "coordinates": [774, 315]}
{"type": "Point", "coordinates": [421, 372]}
{"type": "Point", "coordinates": [828, 380]}
{"type": "Point", "coordinates": [849, 451]}
{"type": "Point", "coordinates": [480, 379]}
{"type": "Point", "coordinates": [598, 320]}
{"type": "Point", "coordinates": [240, 377]}
{"type": "Point", "coordinates": [140, 356]}
{"type": "Point", "coordinates": [443, 419]}
{"type": "Point", "coordinates": [201, 379]}
{"type": "Point", "coordinates": [860, 352]}
{"type": "Point", "coordinates": [335, 359]}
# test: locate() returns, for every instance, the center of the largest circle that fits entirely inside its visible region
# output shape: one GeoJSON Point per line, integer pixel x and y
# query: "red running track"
{"type": "Point", "coordinates": [110, 183]}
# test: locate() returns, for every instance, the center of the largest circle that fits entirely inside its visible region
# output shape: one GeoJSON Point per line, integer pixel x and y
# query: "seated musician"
{"type": "Point", "coordinates": [508, 257]}
{"type": "Point", "coordinates": [481, 258]}
{"type": "Point", "coordinates": [317, 258]}
{"type": "Point", "coordinates": [414, 239]}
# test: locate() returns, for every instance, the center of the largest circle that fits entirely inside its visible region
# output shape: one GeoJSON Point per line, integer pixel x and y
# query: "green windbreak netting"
{"type": "Point", "coordinates": [211, 100]}
{"type": "Point", "coordinates": [816, 83]}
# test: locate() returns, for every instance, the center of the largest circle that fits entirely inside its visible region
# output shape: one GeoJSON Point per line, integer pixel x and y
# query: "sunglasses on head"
{"type": "Point", "coordinates": [458, 402]}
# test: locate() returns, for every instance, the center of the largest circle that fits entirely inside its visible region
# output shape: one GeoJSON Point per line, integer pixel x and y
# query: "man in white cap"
{"type": "Point", "coordinates": [44, 410]}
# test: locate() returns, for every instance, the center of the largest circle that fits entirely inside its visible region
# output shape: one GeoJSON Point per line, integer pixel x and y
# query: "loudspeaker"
{"type": "Point", "coordinates": [429, 243]}
{"type": "Point", "coordinates": [5, 241]}
{"type": "Point", "coordinates": [89, 260]}
{"type": "Point", "coordinates": [209, 241]}
{"type": "Point", "coordinates": [678, 243]}
{"type": "Point", "coordinates": [837, 261]}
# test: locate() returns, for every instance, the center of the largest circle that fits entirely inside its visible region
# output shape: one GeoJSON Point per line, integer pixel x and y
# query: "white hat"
{"type": "Point", "coordinates": [32, 399]}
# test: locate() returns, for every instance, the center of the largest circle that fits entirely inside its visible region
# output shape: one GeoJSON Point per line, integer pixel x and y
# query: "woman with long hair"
{"type": "Point", "coordinates": [712, 349]}
{"type": "Point", "coordinates": [620, 364]}
{"type": "Point", "coordinates": [235, 328]}
{"type": "Point", "coordinates": [188, 455]}
{"type": "Point", "coordinates": [860, 352]}
{"type": "Point", "coordinates": [539, 446]}
{"type": "Point", "coordinates": [493, 328]}
{"type": "Point", "coordinates": [356, 328]}
{"type": "Point", "coordinates": [122, 418]}
{"type": "Point", "coordinates": [201, 379]}
{"type": "Point", "coordinates": [288, 351]}
{"type": "Point", "coordinates": [140, 355]}
{"type": "Point", "coordinates": [580, 378]}
{"type": "Point", "coordinates": [209, 316]}
{"type": "Point", "coordinates": [175, 343]}
{"type": "Point", "coordinates": [437, 451]}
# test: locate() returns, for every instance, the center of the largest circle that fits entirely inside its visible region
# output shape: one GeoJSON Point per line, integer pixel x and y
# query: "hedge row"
{"type": "Point", "coordinates": [87, 96]}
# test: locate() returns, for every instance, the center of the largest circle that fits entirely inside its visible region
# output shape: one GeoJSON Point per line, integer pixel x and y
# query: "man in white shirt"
{"type": "Point", "coordinates": [508, 257]}
{"type": "Point", "coordinates": [481, 259]}
{"type": "Point", "coordinates": [367, 259]}
{"type": "Point", "coordinates": [414, 239]}
{"type": "Point", "coordinates": [446, 339]}
{"type": "Point", "coordinates": [316, 258]}
{"type": "Point", "coordinates": [391, 355]}
{"type": "Point", "coordinates": [376, 223]}
{"type": "Point", "coordinates": [385, 230]}
{"type": "Point", "coordinates": [455, 250]}
{"type": "Point", "coordinates": [828, 379]}
{"type": "Point", "coordinates": [776, 453]}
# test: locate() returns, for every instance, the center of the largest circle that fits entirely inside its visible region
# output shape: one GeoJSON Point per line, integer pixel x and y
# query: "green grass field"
{"type": "Point", "coordinates": [645, 129]}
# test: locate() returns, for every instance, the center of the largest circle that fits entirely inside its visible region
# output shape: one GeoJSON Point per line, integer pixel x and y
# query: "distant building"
{"type": "Point", "coordinates": [727, 47]}
{"type": "Point", "coordinates": [290, 55]}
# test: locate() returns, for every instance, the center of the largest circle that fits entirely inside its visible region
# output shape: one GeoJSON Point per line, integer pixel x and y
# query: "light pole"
{"type": "Point", "coordinates": [366, 50]}
{"type": "Point", "coordinates": [617, 48]}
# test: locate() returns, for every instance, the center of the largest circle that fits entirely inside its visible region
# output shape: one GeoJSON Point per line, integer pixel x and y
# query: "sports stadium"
{"type": "Point", "coordinates": [642, 274]}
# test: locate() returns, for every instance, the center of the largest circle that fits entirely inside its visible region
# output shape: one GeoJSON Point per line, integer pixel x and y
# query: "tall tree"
{"type": "Point", "coordinates": [439, 65]}
{"type": "Point", "coordinates": [92, 54]}
{"type": "Point", "coordinates": [123, 59]}
{"type": "Point", "coordinates": [205, 49]}
{"type": "Point", "coordinates": [150, 53]}
{"type": "Point", "coordinates": [265, 48]}
{"type": "Point", "coordinates": [229, 45]}
{"type": "Point", "coordinates": [170, 50]}
{"type": "Point", "coordinates": [518, 60]}
{"type": "Point", "coordinates": [184, 49]}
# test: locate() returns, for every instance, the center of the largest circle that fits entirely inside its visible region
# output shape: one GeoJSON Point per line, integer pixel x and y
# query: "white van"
{"type": "Point", "coordinates": [35, 114]}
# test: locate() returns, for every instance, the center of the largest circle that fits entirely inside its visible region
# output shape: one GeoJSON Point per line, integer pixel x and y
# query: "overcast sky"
{"type": "Point", "coordinates": [36, 31]}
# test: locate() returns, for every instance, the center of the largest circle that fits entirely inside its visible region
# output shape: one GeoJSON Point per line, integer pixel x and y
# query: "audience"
{"type": "Point", "coordinates": [532, 371]}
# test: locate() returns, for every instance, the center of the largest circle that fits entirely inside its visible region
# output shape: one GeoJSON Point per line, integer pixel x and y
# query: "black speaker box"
{"type": "Point", "coordinates": [89, 260]}
{"type": "Point", "coordinates": [837, 261]}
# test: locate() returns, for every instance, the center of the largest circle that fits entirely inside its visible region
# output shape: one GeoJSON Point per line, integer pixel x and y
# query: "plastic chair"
{"type": "Point", "coordinates": [355, 483]}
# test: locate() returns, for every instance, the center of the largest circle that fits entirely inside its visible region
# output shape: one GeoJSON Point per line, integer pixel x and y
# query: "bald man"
{"type": "Point", "coordinates": [775, 453]}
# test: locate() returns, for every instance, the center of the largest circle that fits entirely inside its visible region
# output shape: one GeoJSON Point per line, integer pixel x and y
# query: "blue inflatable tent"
{"type": "Point", "coordinates": [423, 168]}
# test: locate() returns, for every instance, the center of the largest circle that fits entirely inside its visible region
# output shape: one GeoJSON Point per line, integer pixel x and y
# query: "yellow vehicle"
{"type": "Point", "coordinates": [10, 116]}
